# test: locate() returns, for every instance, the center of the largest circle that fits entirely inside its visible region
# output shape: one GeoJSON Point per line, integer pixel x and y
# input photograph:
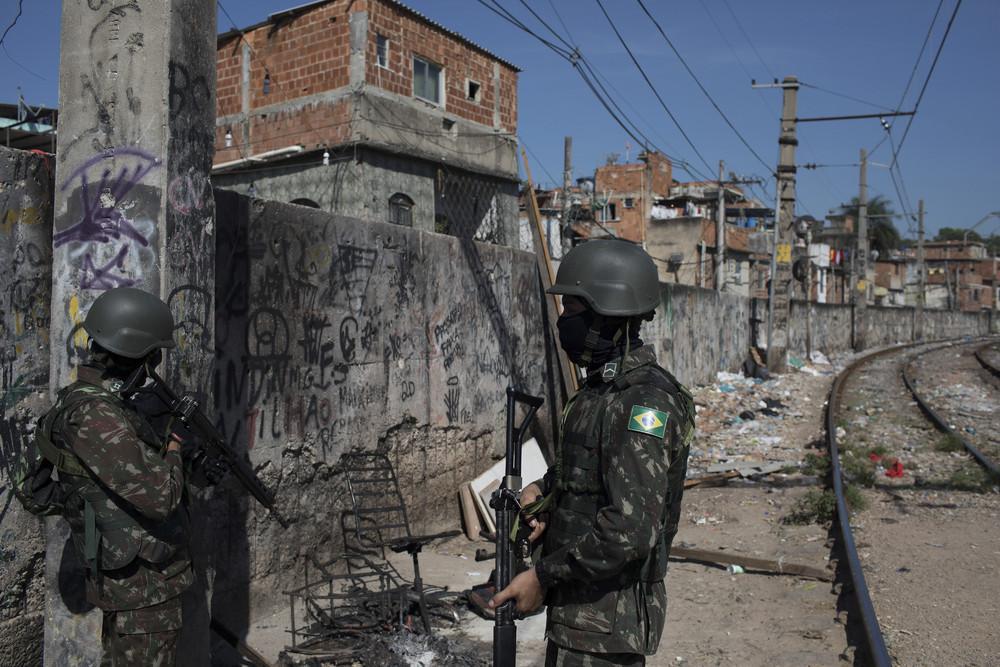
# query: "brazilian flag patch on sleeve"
{"type": "Point", "coordinates": [647, 420]}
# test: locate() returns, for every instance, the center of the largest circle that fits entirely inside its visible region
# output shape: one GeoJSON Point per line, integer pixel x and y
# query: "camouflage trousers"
{"type": "Point", "coordinates": [144, 637]}
{"type": "Point", "coordinates": [558, 656]}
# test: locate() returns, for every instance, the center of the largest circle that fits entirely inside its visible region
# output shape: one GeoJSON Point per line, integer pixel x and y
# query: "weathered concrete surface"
{"type": "Point", "coordinates": [335, 334]}
{"type": "Point", "coordinates": [698, 332]}
{"type": "Point", "coordinates": [25, 286]}
{"type": "Point", "coordinates": [359, 181]}
{"type": "Point", "coordinates": [832, 326]}
{"type": "Point", "coordinates": [134, 207]}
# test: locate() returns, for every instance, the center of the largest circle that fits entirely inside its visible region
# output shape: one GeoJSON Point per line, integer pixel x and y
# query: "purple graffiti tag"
{"type": "Point", "coordinates": [103, 278]}
{"type": "Point", "coordinates": [102, 221]}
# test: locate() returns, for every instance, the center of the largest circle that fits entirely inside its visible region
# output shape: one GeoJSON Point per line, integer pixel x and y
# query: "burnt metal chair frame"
{"type": "Point", "coordinates": [372, 537]}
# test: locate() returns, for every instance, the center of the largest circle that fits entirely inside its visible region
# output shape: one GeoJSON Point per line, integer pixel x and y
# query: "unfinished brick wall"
{"type": "Point", "coordinates": [624, 184]}
{"type": "Point", "coordinates": [411, 36]}
{"type": "Point", "coordinates": [309, 53]}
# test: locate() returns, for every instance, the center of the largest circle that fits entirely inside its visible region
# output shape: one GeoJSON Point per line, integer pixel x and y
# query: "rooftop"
{"type": "Point", "coordinates": [278, 17]}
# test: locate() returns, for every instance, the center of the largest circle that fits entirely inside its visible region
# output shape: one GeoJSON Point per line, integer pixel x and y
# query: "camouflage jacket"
{"type": "Point", "coordinates": [618, 483]}
{"type": "Point", "coordinates": [126, 513]}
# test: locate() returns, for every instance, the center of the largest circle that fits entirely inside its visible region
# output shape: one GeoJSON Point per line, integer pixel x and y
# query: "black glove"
{"type": "Point", "coordinates": [211, 468]}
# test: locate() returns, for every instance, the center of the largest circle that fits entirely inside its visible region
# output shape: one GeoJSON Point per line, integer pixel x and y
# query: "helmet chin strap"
{"type": "Point", "coordinates": [594, 336]}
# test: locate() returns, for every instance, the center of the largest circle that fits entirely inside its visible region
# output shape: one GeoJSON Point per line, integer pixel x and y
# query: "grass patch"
{"type": "Point", "coordinates": [814, 507]}
{"type": "Point", "coordinates": [881, 450]}
{"type": "Point", "coordinates": [855, 499]}
{"type": "Point", "coordinates": [816, 464]}
{"type": "Point", "coordinates": [857, 467]}
{"type": "Point", "coordinates": [949, 442]}
{"type": "Point", "coordinates": [970, 478]}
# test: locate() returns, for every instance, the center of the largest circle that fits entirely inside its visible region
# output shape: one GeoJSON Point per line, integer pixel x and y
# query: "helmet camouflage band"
{"type": "Point", "coordinates": [129, 322]}
{"type": "Point", "coordinates": [615, 278]}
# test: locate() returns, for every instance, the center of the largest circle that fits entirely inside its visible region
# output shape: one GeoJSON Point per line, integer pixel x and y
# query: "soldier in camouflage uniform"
{"type": "Point", "coordinates": [124, 483]}
{"type": "Point", "coordinates": [613, 497]}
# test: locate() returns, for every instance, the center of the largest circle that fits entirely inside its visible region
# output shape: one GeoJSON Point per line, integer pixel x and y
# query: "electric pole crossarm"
{"type": "Point", "coordinates": [820, 119]}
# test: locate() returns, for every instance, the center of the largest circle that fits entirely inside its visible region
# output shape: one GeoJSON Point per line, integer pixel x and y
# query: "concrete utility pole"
{"type": "Point", "coordinates": [861, 275]}
{"type": "Point", "coordinates": [565, 233]}
{"type": "Point", "coordinates": [918, 334]}
{"type": "Point", "coordinates": [720, 232]}
{"type": "Point", "coordinates": [784, 222]}
{"type": "Point", "coordinates": [809, 273]}
{"type": "Point", "coordinates": [134, 207]}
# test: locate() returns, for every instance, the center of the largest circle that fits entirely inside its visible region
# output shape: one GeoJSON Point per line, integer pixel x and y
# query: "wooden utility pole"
{"type": "Point", "coordinates": [569, 377]}
{"type": "Point", "coordinates": [861, 275]}
{"type": "Point", "coordinates": [565, 235]}
{"type": "Point", "coordinates": [720, 232]}
{"type": "Point", "coordinates": [784, 222]}
{"type": "Point", "coordinates": [918, 334]}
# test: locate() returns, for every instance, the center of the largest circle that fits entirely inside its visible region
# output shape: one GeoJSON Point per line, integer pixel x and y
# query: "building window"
{"type": "Point", "coordinates": [472, 89]}
{"type": "Point", "coordinates": [401, 210]}
{"type": "Point", "coordinates": [382, 50]}
{"type": "Point", "coordinates": [427, 80]}
{"type": "Point", "coordinates": [610, 212]}
{"type": "Point", "coordinates": [629, 202]}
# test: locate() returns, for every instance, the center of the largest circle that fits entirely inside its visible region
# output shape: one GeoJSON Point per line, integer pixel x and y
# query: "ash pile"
{"type": "Point", "coordinates": [399, 648]}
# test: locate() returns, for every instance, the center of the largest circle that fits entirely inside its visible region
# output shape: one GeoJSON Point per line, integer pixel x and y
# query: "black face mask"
{"type": "Point", "coordinates": [573, 332]}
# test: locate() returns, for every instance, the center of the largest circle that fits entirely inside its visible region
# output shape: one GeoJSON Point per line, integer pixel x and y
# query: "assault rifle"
{"type": "Point", "coordinates": [506, 502]}
{"type": "Point", "coordinates": [186, 409]}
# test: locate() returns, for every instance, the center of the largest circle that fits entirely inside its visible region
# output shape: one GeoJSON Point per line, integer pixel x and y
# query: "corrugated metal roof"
{"type": "Point", "coordinates": [274, 18]}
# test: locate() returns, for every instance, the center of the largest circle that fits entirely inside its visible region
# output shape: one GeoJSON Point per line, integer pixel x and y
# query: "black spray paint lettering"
{"type": "Point", "coordinates": [348, 338]}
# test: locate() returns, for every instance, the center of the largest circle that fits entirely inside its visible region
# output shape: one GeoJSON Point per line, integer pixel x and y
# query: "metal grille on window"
{"type": "Point", "coordinates": [401, 210]}
{"type": "Point", "coordinates": [473, 206]}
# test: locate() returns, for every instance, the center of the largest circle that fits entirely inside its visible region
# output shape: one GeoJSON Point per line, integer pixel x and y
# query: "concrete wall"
{"type": "Point", "coordinates": [359, 181]}
{"type": "Point", "coordinates": [338, 335]}
{"type": "Point", "coordinates": [698, 332]}
{"type": "Point", "coordinates": [25, 291]}
{"type": "Point", "coordinates": [832, 326]}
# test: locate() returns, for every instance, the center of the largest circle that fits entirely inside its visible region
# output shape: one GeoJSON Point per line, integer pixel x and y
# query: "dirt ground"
{"type": "Point", "coordinates": [930, 553]}
{"type": "Point", "coordinates": [930, 550]}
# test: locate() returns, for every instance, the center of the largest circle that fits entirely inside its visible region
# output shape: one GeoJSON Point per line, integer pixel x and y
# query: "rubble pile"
{"type": "Point", "coordinates": [743, 422]}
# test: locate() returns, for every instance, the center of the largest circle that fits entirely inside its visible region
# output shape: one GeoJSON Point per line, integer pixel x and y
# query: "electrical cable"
{"type": "Point", "coordinates": [651, 86]}
{"type": "Point", "coordinates": [700, 85]}
{"type": "Point", "coordinates": [845, 96]}
{"type": "Point", "coordinates": [14, 22]}
{"type": "Point", "coordinates": [749, 41]}
{"type": "Point", "coordinates": [923, 89]}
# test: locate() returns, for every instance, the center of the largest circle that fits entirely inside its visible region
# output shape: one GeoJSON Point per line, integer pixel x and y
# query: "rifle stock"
{"type": "Point", "coordinates": [507, 505]}
{"type": "Point", "coordinates": [187, 410]}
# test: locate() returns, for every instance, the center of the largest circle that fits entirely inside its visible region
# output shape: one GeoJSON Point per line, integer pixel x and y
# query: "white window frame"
{"type": "Point", "coordinates": [380, 38]}
{"type": "Point", "coordinates": [441, 88]}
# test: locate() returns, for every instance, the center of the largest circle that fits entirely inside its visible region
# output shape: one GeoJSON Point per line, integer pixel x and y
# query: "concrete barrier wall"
{"type": "Point", "coordinates": [25, 293]}
{"type": "Point", "coordinates": [335, 335]}
{"type": "Point", "coordinates": [698, 332]}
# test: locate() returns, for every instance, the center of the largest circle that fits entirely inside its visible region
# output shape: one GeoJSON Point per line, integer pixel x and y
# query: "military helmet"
{"type": "Point", "coordinates": [616, 278]}
{"type": "Point", "coordinates": [129, 322]}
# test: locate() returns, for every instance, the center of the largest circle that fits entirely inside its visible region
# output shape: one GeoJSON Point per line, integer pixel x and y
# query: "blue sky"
{"type": "Point", "coordinates": [863, 48]}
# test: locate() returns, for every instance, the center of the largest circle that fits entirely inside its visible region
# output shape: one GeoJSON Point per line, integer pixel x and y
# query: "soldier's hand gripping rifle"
{"type": "Point", "coordinates": [506, 502]}
{"type": "Point", "coordinates": [186, 409]}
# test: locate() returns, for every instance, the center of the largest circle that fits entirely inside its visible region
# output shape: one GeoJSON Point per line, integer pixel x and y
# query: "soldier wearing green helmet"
{"type": "Point", "coordinates": [609, 507]}
{"type": "Point", "coordinates": [120, 482]}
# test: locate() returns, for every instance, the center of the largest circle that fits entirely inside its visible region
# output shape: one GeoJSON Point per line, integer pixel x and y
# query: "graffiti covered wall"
{"type": "Point", "coordinates": [25, 288]}
{"type": "Point", "coordinates": [337, 335]}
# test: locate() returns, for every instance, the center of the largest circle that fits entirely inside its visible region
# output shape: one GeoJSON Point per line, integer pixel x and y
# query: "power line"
{"type": "Point", "coordinates": [846, 96]}
{"type": "Point", "coordinates": [923, 89]}
{"type": "Point", "coordinates": [651, 86]}
{"type": "Point", "coordinates": [749, 41]}
{"type": "Point", "coordinates": [14, 22]}
{"type": "Point", "coordinates": [700, 86]}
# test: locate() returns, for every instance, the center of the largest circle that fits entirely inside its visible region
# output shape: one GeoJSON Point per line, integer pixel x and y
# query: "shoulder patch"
{"type": "Point", "coordinates": [647, 420]}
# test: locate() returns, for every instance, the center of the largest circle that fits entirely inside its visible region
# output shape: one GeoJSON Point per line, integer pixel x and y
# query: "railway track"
{"type": "Point", "coordinates": [857, 422]}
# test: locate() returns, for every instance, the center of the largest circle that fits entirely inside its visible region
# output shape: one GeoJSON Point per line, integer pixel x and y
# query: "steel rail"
{"type": "Point", "coordinates": [877, 651]}
{"type": "Point", "coordinates": [941, 423]}
{"type": "Point", "coordinates": [986, 364]}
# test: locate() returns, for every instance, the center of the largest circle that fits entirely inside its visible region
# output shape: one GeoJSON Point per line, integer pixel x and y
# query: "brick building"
{"type": "Point", "coordinates": [626, 192]}
{"type": "Point", "coordinates": [370, 109]}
